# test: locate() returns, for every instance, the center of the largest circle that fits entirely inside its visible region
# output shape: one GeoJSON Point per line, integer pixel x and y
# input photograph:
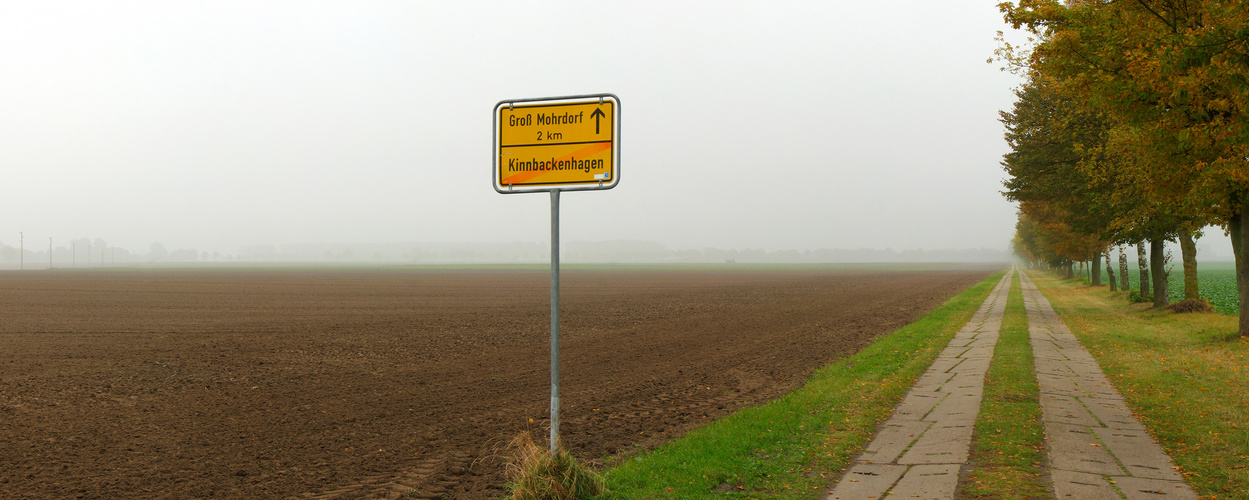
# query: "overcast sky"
{"type": "Point", "coordinates": [775, 125]}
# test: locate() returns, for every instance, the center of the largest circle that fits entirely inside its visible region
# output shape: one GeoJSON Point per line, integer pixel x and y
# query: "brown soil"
{"type": "Point", "coordinates": [378, 383]}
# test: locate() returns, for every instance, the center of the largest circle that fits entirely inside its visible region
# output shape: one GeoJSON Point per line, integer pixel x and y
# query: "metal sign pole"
{"type": "Point", "coordinates": [568, 143]}
{"type": "Point", "coordinates": [554, 320]}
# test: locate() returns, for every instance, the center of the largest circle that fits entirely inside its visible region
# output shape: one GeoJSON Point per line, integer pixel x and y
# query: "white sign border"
{"type": "Point", "coordinates": [600, 186]}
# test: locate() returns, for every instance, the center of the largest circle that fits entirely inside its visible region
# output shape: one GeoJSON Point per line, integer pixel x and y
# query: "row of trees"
{"type": "Point", "coordinates": [1131, 128]}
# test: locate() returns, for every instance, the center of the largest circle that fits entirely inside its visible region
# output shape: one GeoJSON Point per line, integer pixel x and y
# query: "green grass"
{"type": "Point", "coordinates": [795, 446]}
{"type": "Point", "coordinates": [1008, 447]}
{"type": "Point", "coordinates": [1185, 375]}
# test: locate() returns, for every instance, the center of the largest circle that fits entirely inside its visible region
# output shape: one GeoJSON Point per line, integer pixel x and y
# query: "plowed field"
{"type": "Point", "coordinates": [377, 383]}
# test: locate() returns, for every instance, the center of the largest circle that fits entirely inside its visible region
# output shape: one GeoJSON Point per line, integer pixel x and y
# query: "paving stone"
{"type": "Point", "coordinates": [1074, 358]}
{"type": "Point", "coordinates": [974, 351]}
{"type": "Point", "coordinates": [1038, 326]}
{"type": "Point", "coordinates": [1044, 340]}
{"type": "Point", "coordinates": [958, 344]}
{"type": "Point", "coordinates": [928, 482]}
{"type": "Point", "coordinates": [1057, 385]}
{"type": "Point", "coordinates": [1139, 453]}
{"type": "Point", "coordinates": [993, 320]}
{"type": "Point", "coordinates": [1080, 357]}
{"type": "Point", "coordinates": [892, 439]}
{"type": "Point", "coordinates": [1137, 488]}
{"type": "Point", "coordinates": [945, 442]}
{"type": "Point", "coordinates": [917, 403]}
{"type": "Point", "coordinates": [986, 339]}
{"type": "Point", "coordinates": [1070, 485]}
{"type": "Point", "coordinates": [866, 481]}
{"type": "Point", "coordinates": [960, 341]}
{"type": "Point", "coordinates": [1047, 354]}
{"type": "Point", "coordinates": [956, 406]}
{"type": "Point", "coordinates": [1085, 367]}
{"type": "Point", "coordinates": [952, 349]}
{"type": "Point", "coordinates": [964, 381]}
{"type": "Point", "coordinates": [1112, 412]}
{"type": "Point", "coordinates": [1041, 332]}
{"type": "Point", "coordinates": [976, 324]}
{"type": "Point", "coordinates": [1049, 366]}
{"type": "Point", "coordinates": [1096, 388]}
{"type": "Point", "coordinates": [1075, 448]}
{"type": "Point", "coordinates": [1044, 345]}
{"type": "Point", "coordinates": [1065, 409]}
{"type": "Point", "coordinates": [944, 363]}
{"type": "Point", "coordinates": [977, 366]}
{"type": "Point", "coordinates": [932, 381]}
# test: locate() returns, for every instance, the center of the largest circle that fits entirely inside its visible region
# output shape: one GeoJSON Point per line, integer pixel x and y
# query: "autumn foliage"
{"type": "Point", "coordinates": [1131, 126]}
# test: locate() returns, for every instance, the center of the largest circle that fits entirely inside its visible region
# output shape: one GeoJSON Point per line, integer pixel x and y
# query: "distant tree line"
{"type": "Point", "coordinates": [88, 252]}
{"type": "Point", "coordinates": [615, 251]}
{"type": "Point", "coordinates": [84, 252]}
{"type": "Point", "coordinates": [1130, 129]}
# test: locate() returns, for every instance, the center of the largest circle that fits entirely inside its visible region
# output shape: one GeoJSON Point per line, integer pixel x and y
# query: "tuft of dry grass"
{"type": "Point", "coordinates": [1192, 305]}
{"type": "Point", "coordinates": [533, 473]}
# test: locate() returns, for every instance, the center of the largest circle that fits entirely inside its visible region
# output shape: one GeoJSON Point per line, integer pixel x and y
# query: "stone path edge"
{"type": "Point", "coordinates": [920, 449]}
{"type": "Point", "coordinates": [1096, 447]}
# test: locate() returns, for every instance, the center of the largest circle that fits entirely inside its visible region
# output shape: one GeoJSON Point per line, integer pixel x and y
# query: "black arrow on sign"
{"type": "Point", "coordinates": [595, 115]}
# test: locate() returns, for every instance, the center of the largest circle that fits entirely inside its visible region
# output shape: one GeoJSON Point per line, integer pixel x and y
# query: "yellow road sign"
{"type": "Point", "coordinates": [562, 143]}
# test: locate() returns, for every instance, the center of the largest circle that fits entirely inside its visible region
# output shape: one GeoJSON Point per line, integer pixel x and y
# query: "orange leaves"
{"type": "Point", "coordinates": [1173, 71]}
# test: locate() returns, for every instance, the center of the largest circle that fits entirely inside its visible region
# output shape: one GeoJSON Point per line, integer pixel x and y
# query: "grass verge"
{"type": "Point", "coordinates": [1008, 449]}
{"type": "Point", "coordinates": [1186, 376]}
{"type": "Point", "coordinates": [794, 446]}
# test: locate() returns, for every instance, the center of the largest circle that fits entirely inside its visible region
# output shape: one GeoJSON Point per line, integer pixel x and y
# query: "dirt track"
{"type": "Point", "coordinates": [358, 383]}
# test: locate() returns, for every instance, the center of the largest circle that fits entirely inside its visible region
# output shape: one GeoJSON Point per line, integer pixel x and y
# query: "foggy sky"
{"type": "Point", "coordinates": [210, 125]}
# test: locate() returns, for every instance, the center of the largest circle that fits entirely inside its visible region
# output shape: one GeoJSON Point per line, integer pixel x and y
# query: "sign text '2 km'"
{"type": "Point", "coordinates": [557, 145]}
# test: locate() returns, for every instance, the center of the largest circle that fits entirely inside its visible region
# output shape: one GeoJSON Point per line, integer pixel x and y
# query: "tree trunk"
{"type": "Point", "coordinates": [1188, 250]}
{"type": "Point", "coordinates": [1071, 269]}
{"type": "Point", "coordinates": [1095, 269]}
{"type": "Point", "coordinates": [1110, 272]}
{"type": "Point", "coordinates": [1125, 283]}
{"type": "Point", "coordinates": [1238, 226]}
{"type": "Point", "coordinates": [1142, 263]}
{"type": "Point", "coordinates": [1157, 248]}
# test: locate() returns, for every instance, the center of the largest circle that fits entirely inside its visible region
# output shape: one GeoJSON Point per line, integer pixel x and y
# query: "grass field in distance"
{"type": "Point", "coordinates": [1216, 281]}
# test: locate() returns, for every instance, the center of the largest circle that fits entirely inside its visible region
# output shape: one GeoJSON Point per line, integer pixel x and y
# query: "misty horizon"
{"type": "Point", "coordinates": [85, 253]}
{"type": "Point", "coordinates": [801, 125]}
